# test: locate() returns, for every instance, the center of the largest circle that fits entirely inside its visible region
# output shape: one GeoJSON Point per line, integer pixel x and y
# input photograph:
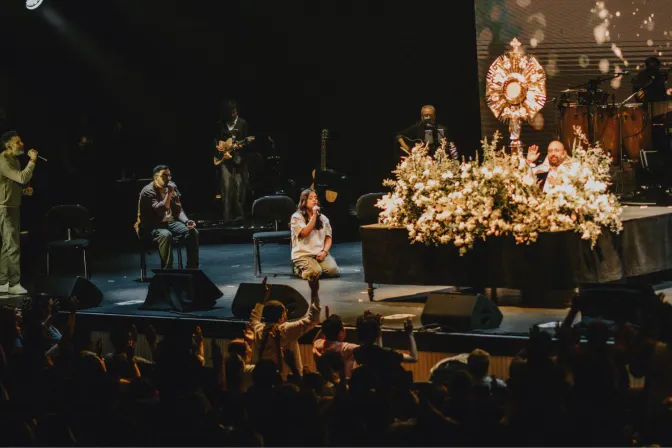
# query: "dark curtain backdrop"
{"type": "Point", "coordinates": [361, 68]}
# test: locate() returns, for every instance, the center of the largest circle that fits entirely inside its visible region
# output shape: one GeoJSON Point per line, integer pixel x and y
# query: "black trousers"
{"type": "Point", "coordinates": [233, 184]}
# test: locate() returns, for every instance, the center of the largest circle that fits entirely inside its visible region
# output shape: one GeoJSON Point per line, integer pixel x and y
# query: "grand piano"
{"type": "Point", "coordinates": [556, 261]}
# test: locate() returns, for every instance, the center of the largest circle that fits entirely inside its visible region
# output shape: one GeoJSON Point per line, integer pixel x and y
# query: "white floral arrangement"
{"type": "Point", "coordinates": [440, 200]}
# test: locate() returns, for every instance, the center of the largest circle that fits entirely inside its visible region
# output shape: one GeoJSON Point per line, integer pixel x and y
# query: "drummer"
{"type": "Point", "coordinates": [650, 82]}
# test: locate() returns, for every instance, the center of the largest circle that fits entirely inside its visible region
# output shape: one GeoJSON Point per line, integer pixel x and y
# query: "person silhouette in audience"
{"type": "Point", "coordinates": [276, 334]}
{"type": "Point", "coordinates": [384, 362]}
{"type": "Point", "coordinates": [331, 339]}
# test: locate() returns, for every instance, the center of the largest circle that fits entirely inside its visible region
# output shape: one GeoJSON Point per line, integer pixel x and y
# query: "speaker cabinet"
{"type": "Point", "coordinates": [461, 312]}
{"type": "Point", "coordinates": [181, 290]}
{"type": "Point", "coordinates": [65, 287]}
{"type": "Point", "coordinates": [249, 294]}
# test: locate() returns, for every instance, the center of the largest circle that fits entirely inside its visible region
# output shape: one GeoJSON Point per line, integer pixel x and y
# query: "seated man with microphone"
{"type": "Point", "coordinates": [161, 214]}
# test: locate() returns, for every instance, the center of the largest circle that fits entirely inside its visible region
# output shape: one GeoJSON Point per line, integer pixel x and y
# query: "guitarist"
{"type": "Point", "coordinates": [233, 172]}
{"type": "Point", "coordinates": [425, 131]}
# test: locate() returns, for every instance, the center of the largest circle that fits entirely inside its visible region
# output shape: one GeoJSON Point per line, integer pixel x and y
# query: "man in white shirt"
{"type": "Point", "coordinates": [554, 167]}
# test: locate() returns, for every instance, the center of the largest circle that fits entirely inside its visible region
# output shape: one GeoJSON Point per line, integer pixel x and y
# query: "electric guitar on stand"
{"type": "Point", "coordinates": [327, 180]}
{"type": "Point", "coordinates": [226, 148]}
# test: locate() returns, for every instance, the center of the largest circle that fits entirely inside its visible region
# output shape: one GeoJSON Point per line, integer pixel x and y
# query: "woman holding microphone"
{"type": "Point", "coordinates": [311, 240]}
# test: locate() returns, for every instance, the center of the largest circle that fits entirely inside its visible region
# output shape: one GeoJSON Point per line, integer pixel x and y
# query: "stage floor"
{"type": "Point", "coordinates": [228, 265]}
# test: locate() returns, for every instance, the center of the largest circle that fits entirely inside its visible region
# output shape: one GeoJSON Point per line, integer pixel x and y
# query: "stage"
{"type": "Point", "coordinates": [116, 274]}
{"type": "Point", "coordinates": [228, 265]}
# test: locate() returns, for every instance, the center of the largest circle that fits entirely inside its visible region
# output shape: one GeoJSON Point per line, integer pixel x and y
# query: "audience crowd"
{"type": "Point", "coordinates": [570, 388]}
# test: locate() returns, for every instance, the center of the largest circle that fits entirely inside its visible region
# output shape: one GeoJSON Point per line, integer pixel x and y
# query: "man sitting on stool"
{"type": "Point", "coordinates": [160, 213]}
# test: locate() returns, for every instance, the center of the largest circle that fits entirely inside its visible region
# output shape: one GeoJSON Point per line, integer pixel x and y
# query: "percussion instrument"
{"type": "Point", "coordinates": [599, 97]}
{"type": "Point", "coordinates": [636, 128]}
{"type": "Point", "coordinates": [572, 115]}
{"type": "Point", "coordinates": [607, 129]}
{"type": "Point", "coordinates": [583, 97]}
{"type": "Point", "coordinates": [659, 108]}
{"type": "Point", "coordinates": [630, 125]}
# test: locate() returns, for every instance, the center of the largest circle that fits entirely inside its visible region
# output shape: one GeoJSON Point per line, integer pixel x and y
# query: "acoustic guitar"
{"type": "Point", "coordinates": [226, 148]}
{"type": "Point", "coordinates": [330, 195]}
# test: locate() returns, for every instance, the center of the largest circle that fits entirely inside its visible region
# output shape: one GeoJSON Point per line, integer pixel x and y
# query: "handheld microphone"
{"type": "Point", "coordinates": [176, 192]}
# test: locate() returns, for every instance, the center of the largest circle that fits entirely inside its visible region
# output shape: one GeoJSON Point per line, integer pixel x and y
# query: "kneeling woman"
{"type": "Point", "coordinates": [311, 240]}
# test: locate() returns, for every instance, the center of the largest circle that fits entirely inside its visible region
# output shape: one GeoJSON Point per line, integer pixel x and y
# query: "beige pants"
{"type": "Point", "coordinates": [309, 267]}
{"type": "Point", "coordinates": [10, 261]}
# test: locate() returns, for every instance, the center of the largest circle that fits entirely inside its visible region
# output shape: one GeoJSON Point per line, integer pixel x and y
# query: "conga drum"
{"type": "Point", "coordinates": [572, 115]}
{"type": "Point", "coordinates": [607, 130]}
{"type": "Point", "coordinates": [636, 130]}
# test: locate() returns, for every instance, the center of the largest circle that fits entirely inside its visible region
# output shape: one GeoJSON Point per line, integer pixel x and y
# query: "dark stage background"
{"type": "Point", "coordinates": [360, 68]}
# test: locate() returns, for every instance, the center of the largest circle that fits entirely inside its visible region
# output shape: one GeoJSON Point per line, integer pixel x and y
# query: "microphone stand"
{"type": "Point", "coordinates": [621, 164]}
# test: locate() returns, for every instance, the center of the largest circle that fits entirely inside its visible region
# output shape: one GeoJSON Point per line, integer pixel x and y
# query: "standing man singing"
{"type": "Point", "coordinates": [234, 175]}
{"type": "Point", "coordinates": [12, 179]}
{"type": "Point", "coordinates": [160, 212]}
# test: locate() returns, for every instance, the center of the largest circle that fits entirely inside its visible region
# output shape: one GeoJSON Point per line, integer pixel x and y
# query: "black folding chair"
{"type": "Point", "coordinates": [277, 209]}
{"type": "Point", "coordinates": [367, 212]}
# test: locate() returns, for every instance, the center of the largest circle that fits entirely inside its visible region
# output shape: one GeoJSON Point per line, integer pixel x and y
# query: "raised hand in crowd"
{"type": "Point", "coordinates": [314, 284]}
{"type": "Point", "coordinates": [198, 340]}
{"type": "Point", "coordinates": [248, 333]}
{"type": "Point", "coordinates": [413, 347]}
{"type": "Point", "coordinates": [267, 290]}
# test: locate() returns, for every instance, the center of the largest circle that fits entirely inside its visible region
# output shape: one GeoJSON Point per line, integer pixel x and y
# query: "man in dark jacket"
{"type": "Point", "coordinates": [161, 214]}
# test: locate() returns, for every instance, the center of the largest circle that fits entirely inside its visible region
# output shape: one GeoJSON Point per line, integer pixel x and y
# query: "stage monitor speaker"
{"type": "Point", "coordinates": [65, 287]}
{"type": "Point", "coordinates": [461, 312]}
{"type": "Point", "coordinates": [180, 290]}
{"type": "Point", "coordinates": [249, 294]}
{"type": "Point", "coordinates": [613, 303]}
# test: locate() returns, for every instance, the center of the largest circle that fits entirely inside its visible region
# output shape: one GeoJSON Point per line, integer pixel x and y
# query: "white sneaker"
{"type": "Point", "coordinates": [17, 289]}
{"type": "Point", "coordinates": [5, 287]}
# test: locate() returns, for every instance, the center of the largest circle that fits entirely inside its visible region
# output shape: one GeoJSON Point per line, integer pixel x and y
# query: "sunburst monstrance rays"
{"type": "Point", "coordinates": [515, 88]}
